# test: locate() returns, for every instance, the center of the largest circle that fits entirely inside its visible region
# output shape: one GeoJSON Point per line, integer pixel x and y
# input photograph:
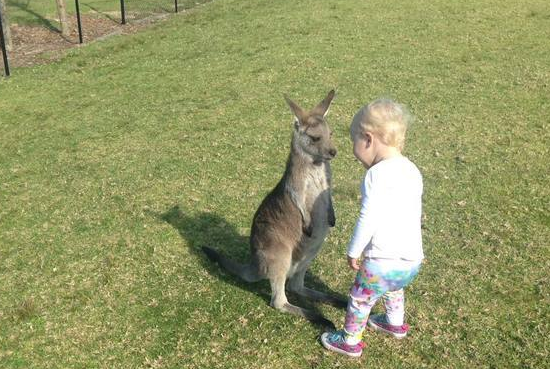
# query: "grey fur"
{"type": "Point", "coordinates": [293, 220]}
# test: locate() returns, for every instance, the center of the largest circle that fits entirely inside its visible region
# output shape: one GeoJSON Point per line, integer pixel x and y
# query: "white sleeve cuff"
{"type": "Point", "coordinates": [354, 254]}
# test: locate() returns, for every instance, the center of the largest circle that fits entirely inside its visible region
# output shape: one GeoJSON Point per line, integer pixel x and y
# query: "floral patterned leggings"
{"type": "Point", "coordinates": [378, 278]}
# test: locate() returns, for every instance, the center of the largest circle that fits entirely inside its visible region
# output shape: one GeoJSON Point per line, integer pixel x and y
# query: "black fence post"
{"type": "Point", "coordinates": [122, 12]}
{"type": "Point", "coordinates": [176, 5]}
{"type": "Point", "coordinates": [78, 21]}
{"type": "Point", "coordinates": [3, 46]}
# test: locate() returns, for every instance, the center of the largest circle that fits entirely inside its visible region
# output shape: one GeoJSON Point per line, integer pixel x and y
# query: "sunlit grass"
{"type": "Point", "coordinates": [119, 162]}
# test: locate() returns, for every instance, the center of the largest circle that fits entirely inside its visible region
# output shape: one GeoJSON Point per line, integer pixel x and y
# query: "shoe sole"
{"type": "Point", "coordinates": [380, 329]}
{"type": "Point", "coordinates": [336, 349]}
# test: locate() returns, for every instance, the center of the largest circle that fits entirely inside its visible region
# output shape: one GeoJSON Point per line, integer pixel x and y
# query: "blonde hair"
{"type": "Point", "coordinates": [386, 118]}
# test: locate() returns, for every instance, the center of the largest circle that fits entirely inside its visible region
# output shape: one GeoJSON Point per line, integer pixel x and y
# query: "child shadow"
{"type": "Point", "coordinates": [208, 229]}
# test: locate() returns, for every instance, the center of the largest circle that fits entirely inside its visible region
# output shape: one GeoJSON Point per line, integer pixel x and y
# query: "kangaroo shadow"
{"type": "Point", "coordinates": [208, 229]}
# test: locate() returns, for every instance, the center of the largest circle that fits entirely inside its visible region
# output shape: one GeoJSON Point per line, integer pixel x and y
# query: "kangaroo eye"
{"type": "Point", "coordinates": [315, 138]}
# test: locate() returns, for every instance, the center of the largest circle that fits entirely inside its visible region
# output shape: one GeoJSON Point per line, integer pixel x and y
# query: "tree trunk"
{"type": "Point", "coordinates": [62, 13]}
{"type": "Point", "coordinates": [5, 25]}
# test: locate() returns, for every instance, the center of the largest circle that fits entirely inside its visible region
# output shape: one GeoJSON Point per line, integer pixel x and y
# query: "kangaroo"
{"type": "Point", "coordinates": [293, 220]}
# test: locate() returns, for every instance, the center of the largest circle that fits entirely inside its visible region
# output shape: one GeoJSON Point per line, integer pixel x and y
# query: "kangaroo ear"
{"type": "Point", "coordinates": [322, 108]}
{"type": "Point", "coordinates": [296, 110]}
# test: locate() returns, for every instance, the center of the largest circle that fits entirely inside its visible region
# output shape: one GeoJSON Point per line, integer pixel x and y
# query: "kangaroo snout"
{"type": "Point", "coordinates": [332, 152]}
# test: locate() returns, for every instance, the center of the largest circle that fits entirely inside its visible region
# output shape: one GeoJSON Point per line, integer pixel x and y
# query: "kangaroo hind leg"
{"type": "Point", "coordinates": [296, 285]}
{"type": "Point", "coordinates": [280, 302]}
{"type": "Point", "coordinates": [278, 270]}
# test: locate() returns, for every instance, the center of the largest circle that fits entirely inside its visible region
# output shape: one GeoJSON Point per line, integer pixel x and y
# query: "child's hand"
{"type": "Point", "coordinates": [353, 263]}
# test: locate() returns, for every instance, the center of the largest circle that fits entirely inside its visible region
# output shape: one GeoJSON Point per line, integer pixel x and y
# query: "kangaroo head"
{"type": "Point", "coordinates": [311, 131]}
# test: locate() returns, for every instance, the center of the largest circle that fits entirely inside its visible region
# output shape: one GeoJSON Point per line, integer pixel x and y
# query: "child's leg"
{"type": "Point", "coordinates": [357, 316]}
{"type": "Point", "coordinates": [394, 302]}
{"type": "Point", "coordinates": [398, 274]}
{"type": "Point", "coordinates": [367, 289]}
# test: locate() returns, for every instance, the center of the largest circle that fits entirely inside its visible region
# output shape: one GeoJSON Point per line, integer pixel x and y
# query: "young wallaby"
{"type": "Point", "coordinates": [293, 220]}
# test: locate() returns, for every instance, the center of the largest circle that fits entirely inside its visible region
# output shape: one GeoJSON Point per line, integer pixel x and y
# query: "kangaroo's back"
{"type": "Point", "coordinates": [276, 219]}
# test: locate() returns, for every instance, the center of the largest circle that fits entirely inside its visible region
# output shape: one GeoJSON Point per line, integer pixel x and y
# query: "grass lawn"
{"type": "Point", "coordinates": [120, 161]}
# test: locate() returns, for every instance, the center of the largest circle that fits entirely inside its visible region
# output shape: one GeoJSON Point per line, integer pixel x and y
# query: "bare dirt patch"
{"type": "Point", "coordinates": [33, 45]}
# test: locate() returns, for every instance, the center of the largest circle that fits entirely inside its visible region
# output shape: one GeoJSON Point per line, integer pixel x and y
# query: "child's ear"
{"type": "Point", "coordinates": [368, 138]}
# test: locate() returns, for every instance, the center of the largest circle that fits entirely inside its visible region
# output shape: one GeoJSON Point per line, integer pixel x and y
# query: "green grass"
{"type": "Point", "coordinates": [120, 161]}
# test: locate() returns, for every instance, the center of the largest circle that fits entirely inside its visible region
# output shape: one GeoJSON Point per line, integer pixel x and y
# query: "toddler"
{"type": "Point", "coordinates": [387, 233]}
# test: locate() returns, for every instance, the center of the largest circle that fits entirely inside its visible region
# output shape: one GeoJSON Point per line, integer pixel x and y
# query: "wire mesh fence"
{"type": "Point", "coordinates": [35, 25]}
{"type": "Point", "coordinates": [138, 9]}
{"type": "Point", "coordinates": [125, 11]}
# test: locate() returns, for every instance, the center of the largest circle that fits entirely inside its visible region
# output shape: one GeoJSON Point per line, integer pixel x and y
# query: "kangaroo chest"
{"type": "Point", "coordinates": [317, 202]}
{"type": "Point", "coordinates": [317, 192]}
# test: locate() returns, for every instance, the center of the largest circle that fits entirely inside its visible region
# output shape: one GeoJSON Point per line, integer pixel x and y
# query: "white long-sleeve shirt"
{"type": "Point", "coordinates": [391, 211]}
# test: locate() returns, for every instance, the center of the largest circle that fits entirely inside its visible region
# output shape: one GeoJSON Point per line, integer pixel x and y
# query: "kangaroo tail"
{"type": "Point", "coordinates": [248, 272]}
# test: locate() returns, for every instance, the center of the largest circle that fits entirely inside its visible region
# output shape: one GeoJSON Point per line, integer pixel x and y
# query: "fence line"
{"type": "Point", "coordinates": [130, 11]}
{"type": "Point", "coordinates": [122, 16]}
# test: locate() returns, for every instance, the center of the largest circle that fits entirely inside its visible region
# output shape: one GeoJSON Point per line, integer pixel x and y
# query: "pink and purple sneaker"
{"type": "Point", "coordinates": [336, 342]}
{"type": "Point", "coordinates": [379, 322]}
